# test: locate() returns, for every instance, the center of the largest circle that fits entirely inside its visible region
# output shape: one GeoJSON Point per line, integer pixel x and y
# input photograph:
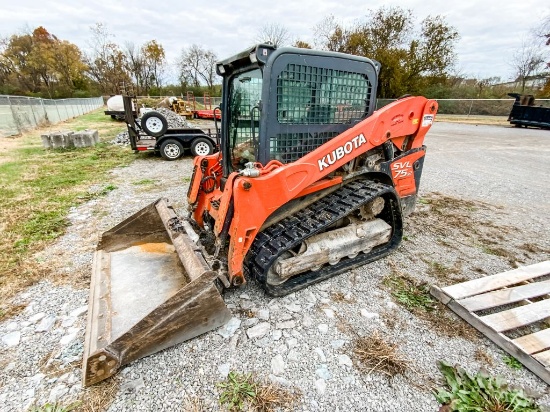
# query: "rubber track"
{"type": "Point", "coordinates": [315, 218]}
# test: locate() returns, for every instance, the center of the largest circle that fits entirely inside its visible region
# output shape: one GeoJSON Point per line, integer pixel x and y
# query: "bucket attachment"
{"type": "Point", "coordinates": [151, 289]}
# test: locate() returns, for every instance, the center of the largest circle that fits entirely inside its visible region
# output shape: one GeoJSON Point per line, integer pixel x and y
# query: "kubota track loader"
{"type": "Point", "coordinates": [310, 182]}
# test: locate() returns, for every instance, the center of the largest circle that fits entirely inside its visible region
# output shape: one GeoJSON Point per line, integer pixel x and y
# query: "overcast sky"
{"type": "Point", "coordinates": [490, 30]}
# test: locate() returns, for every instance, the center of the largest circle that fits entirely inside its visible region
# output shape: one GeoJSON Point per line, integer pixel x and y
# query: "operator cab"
{"type": "Point", "coordinates": [280, 104]}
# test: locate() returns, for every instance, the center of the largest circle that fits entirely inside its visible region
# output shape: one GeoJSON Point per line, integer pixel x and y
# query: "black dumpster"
{"type": "Point", "coordinates": [525, 113]}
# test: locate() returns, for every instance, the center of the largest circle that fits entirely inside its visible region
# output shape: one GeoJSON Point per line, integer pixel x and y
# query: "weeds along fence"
{"type": "Point", "coordinates": [473, 107]}
{"type": "Point", "coordinates": [18, 114]}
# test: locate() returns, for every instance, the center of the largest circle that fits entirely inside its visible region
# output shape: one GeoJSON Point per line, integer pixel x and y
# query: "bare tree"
{"type": "Point", "coordinates": [273, 33]}
{"type": "Point", "coordinates": [135, 64]}
{"type": "Point", "coordinates": [526, 61]}
{"type": "Point", "coordinates": [324, 31]}
{"type": "Point", "coordinates": [197, 66]}
{"type": "Point", "coordinates": [542, 33]}
{"type": "Point", "coordinates": [107, 64]}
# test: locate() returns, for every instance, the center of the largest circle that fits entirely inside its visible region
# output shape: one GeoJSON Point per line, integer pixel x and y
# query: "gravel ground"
{"type": "Point", "coordinates": [492, 179]}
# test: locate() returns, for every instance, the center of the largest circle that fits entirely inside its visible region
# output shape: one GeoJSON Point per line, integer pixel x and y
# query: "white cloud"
{"type": "Point", "coordinates": [490, 30]}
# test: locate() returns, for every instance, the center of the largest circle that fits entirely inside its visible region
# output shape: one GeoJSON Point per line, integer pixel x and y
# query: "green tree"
{"type": "Point", "coordinates": [154, 60]}
{"type": "Point", "coordinates": [39, 63]}
{"type": "Point", "coordinates": [302, 44]}
{"type": "Point", "coordinates": [411, 59]}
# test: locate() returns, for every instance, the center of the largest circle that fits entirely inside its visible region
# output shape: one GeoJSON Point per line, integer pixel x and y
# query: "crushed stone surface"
{"type": "Point", "coordinates": [304, 340]}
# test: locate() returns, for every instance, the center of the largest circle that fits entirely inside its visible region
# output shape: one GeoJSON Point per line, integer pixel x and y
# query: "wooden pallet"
{"type": "Point", "coordinates": [491, 292]}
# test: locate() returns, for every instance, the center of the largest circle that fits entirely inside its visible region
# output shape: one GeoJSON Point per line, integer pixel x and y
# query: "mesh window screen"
{"type": "Point", "coordinates": [315, 95]}
{"type": "Point", "coordinates": [310, 98]}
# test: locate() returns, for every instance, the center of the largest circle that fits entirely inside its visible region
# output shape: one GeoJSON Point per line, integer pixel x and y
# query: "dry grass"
{"type": "Point", "coordinates": [474, 119]}
{"type": "Point", "coordinates": [455, 222]}
{"type": "Point", "coordinates": [193, 404]}
{"type": "Point", "coordinates": [375, 354]}
{"type": "Point", "coordinates": [8, 311]}
{"type": "Point", "coordinates": [532, 248]}
{"type": "Point", "coordinates": [482, 356]}
{"type": "Point", "coordinates": [391, 319]}
{"type": "Point", "coordinates": [97, 398]}
{"type": "Point", "coordinates": [339, 297]}
{"type": "Point", "coordinates": [271, 397]}
{"type": "Point", "coordinates": [445, 274]}
{"type": "Point", "coordinates": [246, 313]}
{"type": "Point", "coordinates": [448, 324]}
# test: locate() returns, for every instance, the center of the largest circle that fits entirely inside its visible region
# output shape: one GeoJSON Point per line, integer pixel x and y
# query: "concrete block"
{"type": "Point", "coordinates": [67, 139]}
{"type": "Point", "coordinates": [46, 141]}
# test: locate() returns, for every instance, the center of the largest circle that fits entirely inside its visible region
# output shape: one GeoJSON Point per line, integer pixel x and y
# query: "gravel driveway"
{"type": "Point", "coordinates": [484, 189]}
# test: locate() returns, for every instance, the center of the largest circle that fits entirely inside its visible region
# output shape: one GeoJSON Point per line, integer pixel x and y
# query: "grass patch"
{"type": "Point", "coordinates": [55, 407]}
{"type": "Point", "coordinates": [416, 298]}
{"type": "Point", "coordinates": [271, 397]}
{"type": "Point", "coordinates": [479, 392]}
{"type": "Point", "coordinates": [244, 392]}
{"type": "Point", "coordinates": [512, 362]}
{"type": "Point", "coordinates": [39, 187]}
{"type": "Point", "coordinates": [238, 391]}
{"type": "Point", "coordinates": [474, 119]}
{"type": "Point", "coordinates": [410, 294]}
{"type": "Point", "coordinates": [375, 354]}
{"type": "Point", "coordinates": [439, 269]}
{"type": "Point", "coordinates": [144, 182]}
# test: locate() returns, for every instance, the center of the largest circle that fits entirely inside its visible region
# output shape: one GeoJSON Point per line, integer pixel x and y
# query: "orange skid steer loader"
{"type": "Point", "coordinates": [310, 181]}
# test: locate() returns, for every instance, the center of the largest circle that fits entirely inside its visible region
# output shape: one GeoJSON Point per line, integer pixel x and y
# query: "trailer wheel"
{"type": "Point", "coordinates": [171, 149]}
{"type": "Point", "coordinates": [154, 124]}
{"type": "Point", "coordinates": [202, 147]}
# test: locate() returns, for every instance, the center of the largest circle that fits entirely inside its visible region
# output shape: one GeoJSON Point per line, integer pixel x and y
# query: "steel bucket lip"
{"type": "Point", "coordinates": [193, 309]}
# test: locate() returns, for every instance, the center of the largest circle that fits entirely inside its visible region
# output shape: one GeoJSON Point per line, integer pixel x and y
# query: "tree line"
{"type": "Point", "coordinates": [416, 58]}
{"type": "Point", "coordinates": [38, 63]}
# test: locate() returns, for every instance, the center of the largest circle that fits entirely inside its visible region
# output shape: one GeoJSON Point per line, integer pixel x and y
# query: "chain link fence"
{"type": "Point", "coordinates": [465, 107]}
{"type": "Point", "coordinates": [213, 101]}
{"type": "Point", "coordinates": [473, 107]}
{"type": "Point", "coordinates": [18, 113]}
